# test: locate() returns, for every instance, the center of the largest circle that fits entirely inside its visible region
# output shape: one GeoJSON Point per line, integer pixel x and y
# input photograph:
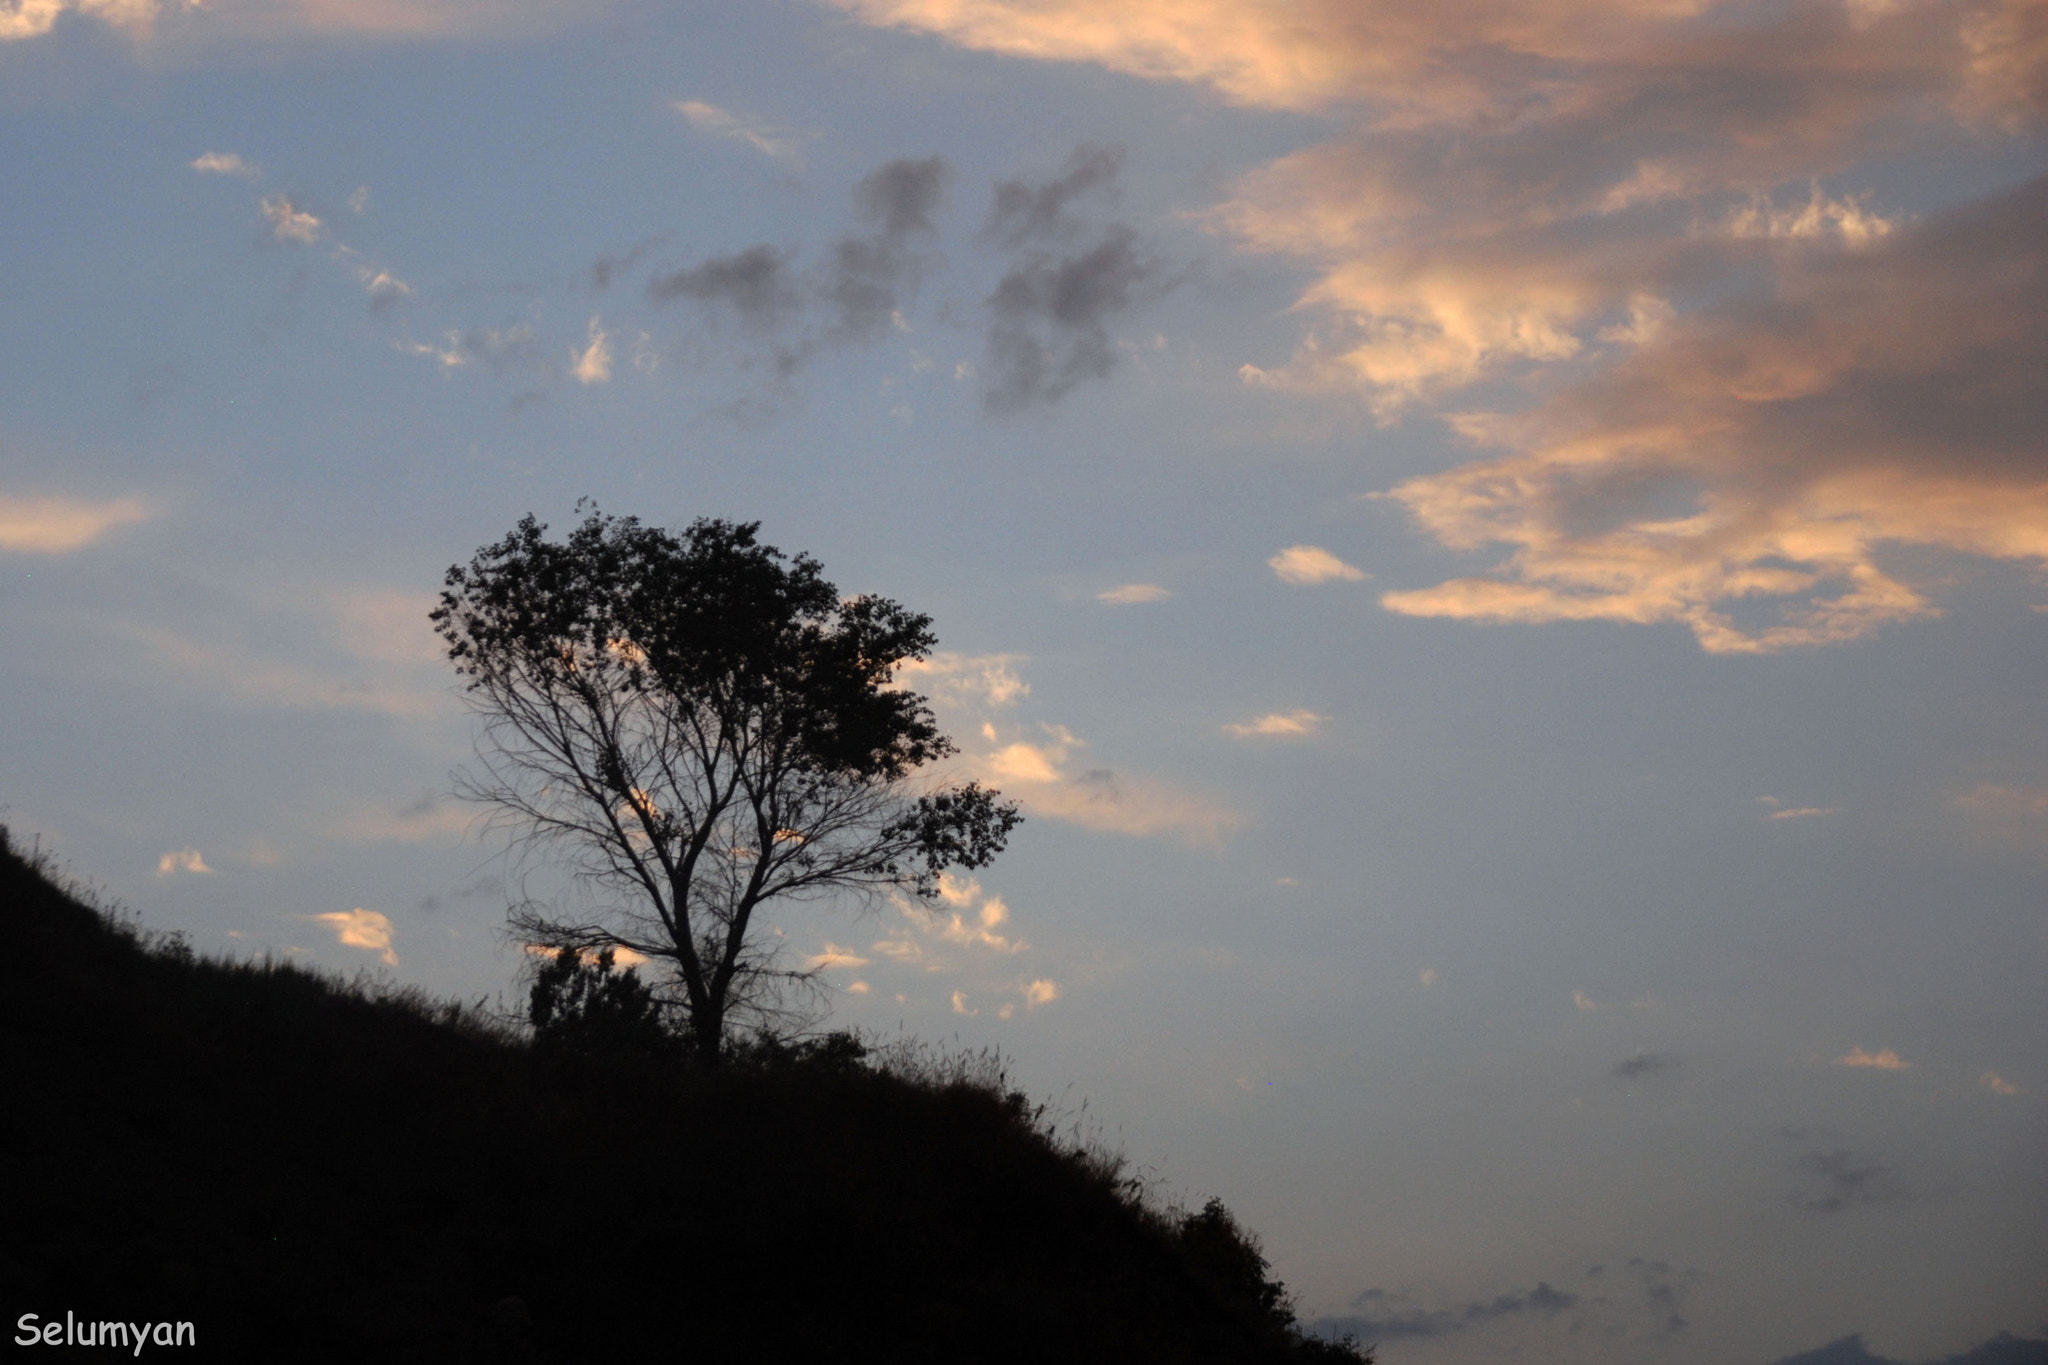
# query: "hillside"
{"type": "Point", "coordinates": [310, 1172]}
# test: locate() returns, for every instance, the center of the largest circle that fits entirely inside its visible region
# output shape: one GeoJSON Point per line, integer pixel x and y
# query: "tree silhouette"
{"type": "Point", "coordinates": [701, 725]}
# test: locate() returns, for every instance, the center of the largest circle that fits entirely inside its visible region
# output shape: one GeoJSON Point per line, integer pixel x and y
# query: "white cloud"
{"type": "Point", "coordinates": [1805, 812]}
{"type": "Point", "coordinates": [60, 525]}
{"type": "Point", "coordinates": [985, 681]}
{"type": "Point", "coordinates": [960, 1003]}
{"type": "Point", "coordinates": [833, 956]}
{"type": "Point", "coordinates": [222, 163]}
{"type": "Point", "coordinates": [1040, 993]}
{"type": "Point", "coordinates": [382, 286]}
{"type": "Point", "coordinates": [34, 18]}
{"type": "Point", "coordinates": [779, 144]}
{"type": "Point", "coordinates": [1308, 564]}
{"type": "Point", "coordinates": [1133, 594]}
{"type": "Point", "coordinates": [593, 364]}
{"type": "Point", "coordinates": [1291, 724]}
{"type": "Point", "coordinates": [365, 929]}
{"type": "Point", "coordinates": [289, 223]}
{"type": "Point", "coordinates": [1884, 1059]}
{"type": "Point", "coordinates": [181, 860]}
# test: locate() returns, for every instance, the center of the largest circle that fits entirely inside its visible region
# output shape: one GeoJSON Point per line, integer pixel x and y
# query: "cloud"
{"type": "Point", "coordinates": [383, 287]}
{"type": "Point", "coordinates": [1645, 1064]}
{"type": "Point", "coordinates": [1747, 473]}
{"type": "Point", "coordinates": [593, 364]}
{"type": "Point", "coordinates": [1133, 594]}
{"type": "Point", "coordinates": [365, 929]}
{"type": "Point", "coordinates": [222, 163]}
{"type": "Point", "coordinates": [1292, 724]}
{"type": "Point", "coordinates": [1051, 315]}
{"type": "Point", "coordinates": [58, 525]}
{"type": "Point", "coordinates": [1997, 1084]}
{"type": "Point", "coordinates": [1884, 1059]}
{"type": "Point", "coordinates": [833, 957]}
{"type": "Point", "coordinates": [1830, 1181]}
{"type": "Point", "coordinates": [1584, 1003]}
{"type": "Point", "coordinates": [1039, 775]}
{"type": "Point", "coordinates": [288, 222]}
{"type": "Point", "coordinates": [495, 348]}
{"type": "Point", "coordinates": [778, 144]}
{"type": "Point", "coordinates": [960, 1003]}
{"type": "Point", "coordinates": [1805, 812]}
{"type": "Point", "coordinates": [869, 277]}
{"type": "Point", "coordinates": [1428, 977]}
{"type": "Point", "coordinates": [984, 681]}
{"type": "Point", "coordinates": [1023, 213]}
{"type": "Point", "coordinates": [182, 860]}
{"type": "Point", "coordinates": [756, 284]}
{"type": "Point", "coordinates": [1990, 799]}
{"type": "Point", "coordinates": [33, 18]}
{"type": "Point", "coordinates": [1304, 565]}
{"type": "Point", "coordinates": [1040, 993]}
{"type": "Point", "coordinates": [1386, 1316]}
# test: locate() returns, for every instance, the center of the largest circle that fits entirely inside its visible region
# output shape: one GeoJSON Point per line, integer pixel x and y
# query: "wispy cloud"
{"type": "Point", "coordinates": [1836, 1179]}
{"type": "Point", "coordinates": [1133, 594]}
{"type": "Point", "coordinates": [770, 140]}
{"type": "Point", "coordinates": [1306, 565]}
{"type": "Point", "coordinates": [1288, 725]}
{"type": "Point", "coordinates": [1884, 1059]}
{"type": "Point", "coordinates": [593, 364]}
{"type": "Point", "coordinates": [1805, 812]}
{"type": "Point", "coordinates": [1997, 1084]}
{"type": "Point", "coordinates": [59, 525]}
{"type": "Point", "coordinates": [365, 929]}
{"type": "Point", "coordinates": [834, 956]}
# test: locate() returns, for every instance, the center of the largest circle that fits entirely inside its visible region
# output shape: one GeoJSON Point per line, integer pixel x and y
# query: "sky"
{"type": "Point", "coordinates": [1502, 547]}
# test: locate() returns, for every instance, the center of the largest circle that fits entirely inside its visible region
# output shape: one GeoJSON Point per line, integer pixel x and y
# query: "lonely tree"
{"type": "Point", "coordinates": [701, 725]}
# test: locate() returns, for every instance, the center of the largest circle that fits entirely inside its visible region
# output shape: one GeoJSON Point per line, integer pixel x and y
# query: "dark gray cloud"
{"type": "Point", "coordinates": [1068, 281]}
{"type": "Point", "coordinates": [1664, 1290]}
{"type": "Point", "coordinates": [1023, 213]}
{"type": "Point", "coordinates": [903, 196]}
{"type": "Point", "coordinates": [868, 278]}
{"type": "Point", "coordinates": [1385, 1318]}
{"type": "Point", "coordinates": [613, 264]}
{"type": "Point", "coordinates": [756, 283]}
{"type": "Point", "coordinates": [1833, 1180]}
{"type": "Point", "coordinates": [1644, 1065]}
{"type": "Point", "coordinates": [1052, 314]}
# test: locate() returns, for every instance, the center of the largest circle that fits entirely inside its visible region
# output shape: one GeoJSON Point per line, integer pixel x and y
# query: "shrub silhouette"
{"type": "Point", "coordinates": [584, 1008]}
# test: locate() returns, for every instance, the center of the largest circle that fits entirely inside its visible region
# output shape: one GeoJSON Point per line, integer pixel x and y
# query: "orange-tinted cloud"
{"type": "Point", "coordinates": [54, 526]}
{"type": "Point", "coordinates": [366, 929]}
{"type": "Point", "coordinates": [1747, 472]}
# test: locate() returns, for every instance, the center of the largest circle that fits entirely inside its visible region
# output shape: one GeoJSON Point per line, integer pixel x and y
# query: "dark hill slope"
{"type": "Point", "coordinates": [305, 1173]}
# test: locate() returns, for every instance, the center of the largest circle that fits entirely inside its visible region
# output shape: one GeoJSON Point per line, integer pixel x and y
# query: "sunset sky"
{"type": "Point", "coordinates": [1501, 544]}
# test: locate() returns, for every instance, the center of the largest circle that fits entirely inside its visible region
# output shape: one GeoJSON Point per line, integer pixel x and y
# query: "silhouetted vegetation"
{"type": "Point", "coordinates": [697, 725]}
{"type": "Point", "coordinates": [312, 1170]}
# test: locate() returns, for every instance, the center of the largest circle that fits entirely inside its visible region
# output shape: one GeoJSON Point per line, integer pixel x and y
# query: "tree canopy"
{"type": "Point", "coordinates": [700, 724]}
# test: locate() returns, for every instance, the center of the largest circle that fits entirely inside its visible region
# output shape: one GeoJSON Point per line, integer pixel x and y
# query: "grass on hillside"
{"type": "Point", "coordinates": [307, 1169]}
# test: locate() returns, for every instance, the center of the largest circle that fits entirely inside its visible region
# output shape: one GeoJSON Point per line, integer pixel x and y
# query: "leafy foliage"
{"type": "Point", "coordinates": [585, 1009]}
{"type": "Point", "coordinates": [700, 724]}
